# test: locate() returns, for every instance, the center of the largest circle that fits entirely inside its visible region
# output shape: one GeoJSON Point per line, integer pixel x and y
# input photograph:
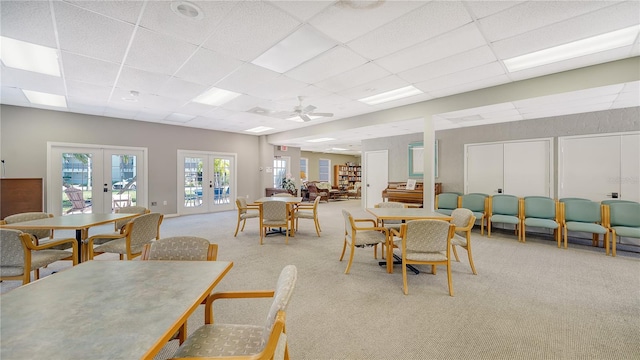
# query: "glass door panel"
{"type": "Point", "coordinates": [206, 182]}
{"type": "Point", "coordinates": [76, 194]}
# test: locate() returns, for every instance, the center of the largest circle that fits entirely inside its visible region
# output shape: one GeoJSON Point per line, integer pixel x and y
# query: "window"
{"type": "Point", "coordinates": [324, 167]}
{"type": "Point", "coordinates": [280, 170]}
{"type": "Point", "coordinates": [304, 169]}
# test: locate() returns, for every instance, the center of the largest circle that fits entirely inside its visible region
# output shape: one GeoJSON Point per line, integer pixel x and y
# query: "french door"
{"type": "Point", "coordinates": [94, 179]}
{"type": "Point", "coordinates": [206, 182]}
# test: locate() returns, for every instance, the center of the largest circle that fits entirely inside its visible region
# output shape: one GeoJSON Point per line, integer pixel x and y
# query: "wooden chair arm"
{"type": "Point", "coordinates": [373, 221]}
{"type": "Point", "coordinates": [469, 226]}
{"type": "Point", "coordinates": [32, 246]}
{"type": "Point", "coordinates": [208, 310]}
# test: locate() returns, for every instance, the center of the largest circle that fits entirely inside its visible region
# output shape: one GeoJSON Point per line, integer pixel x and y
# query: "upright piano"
{"type": "Point", "coordinates": [397, 192]}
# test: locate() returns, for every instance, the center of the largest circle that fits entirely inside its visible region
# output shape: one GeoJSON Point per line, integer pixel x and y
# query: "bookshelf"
{"type": "Point", "coordinates": [345, 176]}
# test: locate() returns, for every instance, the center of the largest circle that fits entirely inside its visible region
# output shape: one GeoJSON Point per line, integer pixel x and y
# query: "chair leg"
{"type": "Point", "coordinates": [524, 233]}
{"type": "Point", "coordinates": [350, 259]}
{"type": "Point", "coordinates": [405, 288]}
{"type": "Point", "coordinates": [317, 226]}
{"type": "Point", "coordinates": [449, 277]}
{"type": "Point", "coordinates": [344, 248]}
{"type": "Point", "coordinates": [473, 268]}
{"type": "Point", "coordinates": [455, 252]}
{"type": "Point", "coordinates": [488, 227]}
{"type": "Point", "coordinates": [237, 227]}
{"type": "Point", "coordinates": [613, 244]}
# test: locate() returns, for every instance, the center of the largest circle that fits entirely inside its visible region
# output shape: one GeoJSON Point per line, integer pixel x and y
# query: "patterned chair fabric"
{"type": "Point", "coordinates": [361, 236]}
{"type": "Point", "coordinates": [477, 203]}
{"type": "Point", "coordinates": [541, 211]}
{"type": "Point", "coordinates": [138, 232]}
{"type": "Point", "coordinates": [463, 219]}
{"type": "Point", "coordinates": [583, 216]}
{"type": "Point", "coordinates": [244, 341]}
{"type": "Point", "coordinates": [275, 214]}
{"type": "Point", "coordinates": [245, 211]}
{"type": "Point", "coordinates": [623, 220]}
{"type": "Point", "coordinates": [100, 239]}
{"type": "Point", "coordinates": [391, 224]}
{"type": "Point", "coordinates": [184, 248]}
{"type": "Point", "coordinates": [306, 211]}
{"type": "Point", "coordinates": [19, 255]}
{"type": "Point", "coordinates": [426, 242]}
{"type": "Point", "coordinates": [356, 192]}
{"type": "Point", "coordinates": [39, 234]}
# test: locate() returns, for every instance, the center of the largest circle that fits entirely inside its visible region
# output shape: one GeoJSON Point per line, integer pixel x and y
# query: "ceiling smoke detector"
{"type": "Point", "coordinates": [187, 10]}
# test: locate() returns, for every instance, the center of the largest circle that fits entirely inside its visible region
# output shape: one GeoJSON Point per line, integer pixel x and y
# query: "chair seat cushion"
{"type": "Point", "coordinates": [459, 240]}
{"type": "Point", "coordinates": [506, 219]}
{"type": "Point", "coordinates": [543, 223]}
{"type": "Point", "coordinates": [105, 238]}
{"type": "Point", "coordinates": [304, 215]}
{"type": "Point", "coordinates": [41, 258]}
{"type": "Point", "coordinates": [118, 246]}
{"type": "Point", "coordinates": [445, 211]}
{"type": "Point", "coordinates": [585, 227]}
{"type": "Point", "coordinates": [633, 232]}
{"type": "Point", "coordinates": [249, 215]}
{"type": "Point", "coordinates": [369, 237]}
{"type": "Point", "coordinates": [278, 223]}
{"type": "Point", "coordinates": [223, 340]}
{"type": "Point", "coordinates": [426, 256]}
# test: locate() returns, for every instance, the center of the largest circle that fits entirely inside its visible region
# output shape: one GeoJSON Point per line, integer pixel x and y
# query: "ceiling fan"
{"type": "Point", "coordinates": [306, 112]}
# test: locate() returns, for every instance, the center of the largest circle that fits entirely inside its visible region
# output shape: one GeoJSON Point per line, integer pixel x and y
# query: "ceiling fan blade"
{"type": "Point", "coordinates": [304, 117]}
{"type": "Point", "coordinates": [321, 114]}
{"type": "Point", "coordinates": [308, 109]}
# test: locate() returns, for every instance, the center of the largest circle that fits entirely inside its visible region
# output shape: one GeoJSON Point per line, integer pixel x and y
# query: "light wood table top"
{"type": "Point", "coordinates": [105, 309]}
{"type": "Point", "coordinates": [72, 221]}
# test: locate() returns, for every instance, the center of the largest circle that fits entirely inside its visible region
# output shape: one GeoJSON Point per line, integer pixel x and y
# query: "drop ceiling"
{"type": "Point", "coordinates": [147, 60]}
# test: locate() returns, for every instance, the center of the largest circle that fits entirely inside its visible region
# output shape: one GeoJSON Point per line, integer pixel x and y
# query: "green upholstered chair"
{"type": "Point", "coordinates": [244, 341]}
{"type": "Point", "coordinates": [542, 212]}
{"type": "Point", "coordinates": [477, 203]}
{"type": "Point", "coordinates": [583, 216]}
{"type": "Point", "coordinates": [623, 219]}
{"type": "Point", "coordinates": [446, 202]}
{"type": "Point", "coordinates": [504, 209]}
{"type": "Point", "coordinates": [463, 219]}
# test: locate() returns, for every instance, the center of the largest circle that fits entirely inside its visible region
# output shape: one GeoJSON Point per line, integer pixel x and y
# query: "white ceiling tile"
{"type": "Point", "coordinates": [84, 69]}
{"type": "Point", "coordinates": [96, 95]}
{"type": "Point", "coordinates": [424, 23]}
{"type": "Point", "coordinates": [32, 81]}
{"type": "Point", "coordinates": [363, 74]}
{"type": "Point", "coordinates": [338, 20]}
{"type": "Point", "coordinates": [246, 102]}
{"type": "Point", "coordinates": [281, 87]}
{"type": "Point", "coordinates": [181, 90]}
{"type": "Point", "coordinates": [302, 9]}
{"type": "Point", "coordinates": [457, 41]}
{"type": "Point", "coordinates": [269, 25]}
{"type": "Point", "coordinates": [127, 11]}
{"type": "Point", "coordinates": [481, 9]}
{"type": "Point", "coordinates": [375, 87]}
{"type": "Point", "coordinates": [468, 86]}
{"type": "Point", "coordinates": [28, 21]}
{"type": "Point", "coordinates": [142, 81]}
{"type": "Point", "coordinates": [463, 77]}
{"type": "Point", "coordinates": [246, 77]}
{"type": "Point", "coordinates": [452, 64]}
{"type": "Point", "coordinates": [158, 53]}
{"type": "Point", "coordinates": [331, 63]}
{"type": "Point", "coordinates": [207, 67]}
{"type": "Point", "coordinates": [89, 34]}
{"type": "Point", "coordinates": [532, 15]}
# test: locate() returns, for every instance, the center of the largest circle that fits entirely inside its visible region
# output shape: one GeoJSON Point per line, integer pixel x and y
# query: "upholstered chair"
{"type": "Point", "coordinates": [245, 211]}
{"type": "Point", "coordinates": [275, 213]}
{"type": "Point", "coordinates": [463, 219]}
{"type": "Point", "coordinates": [40, 235]}
{"type": "Point", "coordinates": [138, 232]}
{"type": "Point", "coordinates": [308, 211]}
{"type": "Point", "coordinates": [357, 234]}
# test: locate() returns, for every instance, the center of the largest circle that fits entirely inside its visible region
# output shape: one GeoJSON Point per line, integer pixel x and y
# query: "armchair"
{"type": "Point", "coordinates": [463, 220]}
{"type": "Point", "coordinates": [308, 211]}
{"type": "Point", "coordinates": [138, 232]}
{"type": "Point", "coordinates": [245, 211]}
{"type": "Point", "coordinates": [361, 236]}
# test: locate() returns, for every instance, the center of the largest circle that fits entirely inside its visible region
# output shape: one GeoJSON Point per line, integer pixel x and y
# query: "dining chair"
{"type": "Point", "coordinates": [19, 255]}
{"type": "Point", "coordinates": [426, 242]}
{"type": "Point", "coordinates": [391, 224]}
{"type": "Point", "coordinates": [308, 211]}
{"type": "Point", "coordinates": [119, 227]}
{"type": "Point", "coordinates": [245, 211]}
{"type": "Point", "coordinates": [275, 213]}
{"type": "Point", "coordinates": [180, 248]}
{"type": "Point", "coordinates": [138, 232]}
{"type": "Point", "coordinates": [463, 220]}
{"type": "Point", "coordinates": [622, 219]}
{"type": "Point", "coordinates": [477, 203]}
{"type": "Point", "coordinates": [584, 216]}
{"type": "Point", "coordinates": [40, 235]}
{"type": "Point", "coordinates": [504, 209]}
{"type": "Point", "coordinates": [541, 212]}
{"type": "Point", "coordinates": [239, 341]}
{"type": "Point", "coordinates": [446, 202]}
{"type": "Point", "coordinates": [362, 236]}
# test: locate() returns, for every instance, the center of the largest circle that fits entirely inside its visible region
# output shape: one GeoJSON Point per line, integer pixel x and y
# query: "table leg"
{"type": "Point", "coordinates": [79, 239]}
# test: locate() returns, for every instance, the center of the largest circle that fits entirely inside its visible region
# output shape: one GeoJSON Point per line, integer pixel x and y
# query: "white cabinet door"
{"type": "Point", "coordinates": [484, 168]}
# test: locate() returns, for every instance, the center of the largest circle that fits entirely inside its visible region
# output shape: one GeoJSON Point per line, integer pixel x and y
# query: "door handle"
{"type": "Point", "coordinates": [613, 195]}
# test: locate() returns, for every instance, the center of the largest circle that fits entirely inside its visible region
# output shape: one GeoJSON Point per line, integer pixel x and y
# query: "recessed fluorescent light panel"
{"type": "Point", "coordinates": [391, 95]}
{"type": "Point", "coordinates": [592, 45]}
{"type": "Point", "coordinates": [320, 140]}
{"type": "Point", "coordinates": [40, 98]}
{"type": "Point", "coordinates": [338, 149]}
{"type": "Point", "coordinates": [259, 129]}
{"type": "Point", "coordinates": [30, 57]}
{"type": "Point", "coordinates": [216, 97]}
{"type": "Point", "coordinates": [295, 49]}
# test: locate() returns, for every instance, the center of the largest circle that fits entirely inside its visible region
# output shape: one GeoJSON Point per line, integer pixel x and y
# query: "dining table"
{"type": "Point", "coordinates": [105, 309]}
{"type": "Point", "coordinates": [403, 214]}
{"type": "Point", "coordinates": [78, 222]}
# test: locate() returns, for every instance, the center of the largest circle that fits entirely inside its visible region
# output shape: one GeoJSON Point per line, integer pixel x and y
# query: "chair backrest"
{"type": "Point", "coordinates": [571, 199]}
{"type": "Point", "coordinates": [428, 236]}
{"type": "Point", "coordinates": [11, 253]}
{"type": "Point", "coordinates": [461, 217]}
{"type": "Point", "coordinates": [281, 297]}
{"type": "Point", "coordinates": [189, 248]}
{"type": "Point", "coordinates": [129, 210]}
{"type": "Point", "coordinates": [504, 205]}
{"type": "Point", "coordinates": [348, 224]}
{"type": "Point", "coordinates": [473, 201]}
{"type": "Point", "coordinates": [241, 203]}
{"type": "Point", "coordinates": [390, 204]}
{"type": "Point", "coordinates": [539, 207]}
{"type": "Point", "coordinates": [274, 210]}
{"type": "Point", "coordinates": [28, 216]}
{"type": "Point", "coordinates": [624, 214]}
{"type": "Point", "coordinates": [582, 211]}
{"type": "Point", "coordinates": [447, 200]}
{"type": "Point", "coordinates": [617, 201]}
{"type": "Point", "coordinates": [143, 229]}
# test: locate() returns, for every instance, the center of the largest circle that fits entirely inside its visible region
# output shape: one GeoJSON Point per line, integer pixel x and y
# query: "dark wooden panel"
{"type": "Point", "coordinates": [20, 195]}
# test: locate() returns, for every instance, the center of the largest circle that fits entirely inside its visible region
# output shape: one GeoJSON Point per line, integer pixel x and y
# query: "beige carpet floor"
{"type": "Point", "coordinates": [528, 301]}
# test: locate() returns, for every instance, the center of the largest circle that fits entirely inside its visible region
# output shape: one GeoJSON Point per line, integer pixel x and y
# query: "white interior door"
{"type": "Point", "coordinates": [484, 166]}
{"type": "Point", "coordinates": [106, 178]}
{"type": "Point", "coordinates": [376, 176]}
{"type": "Point", "coordinates": [528, 168]}
{"type": "Point", "coordinates": [206, 182]}
{"type": "Point", "coordinates": [599, 167]}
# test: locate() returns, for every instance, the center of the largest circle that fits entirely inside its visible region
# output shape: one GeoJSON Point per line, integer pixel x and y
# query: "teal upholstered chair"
{"type": "Point", "coordinates": [542, 212]}
{"type": "Point", "coordinates": [623, 219]}
{"type": "Point", "coordinates": [504, 209]}
{"type": "Point", "coordinates": [446, 202]}
{"type": "Point", "coordinates": [477, 203]}
{"type": "Point", "coordinates": [583, 216]}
